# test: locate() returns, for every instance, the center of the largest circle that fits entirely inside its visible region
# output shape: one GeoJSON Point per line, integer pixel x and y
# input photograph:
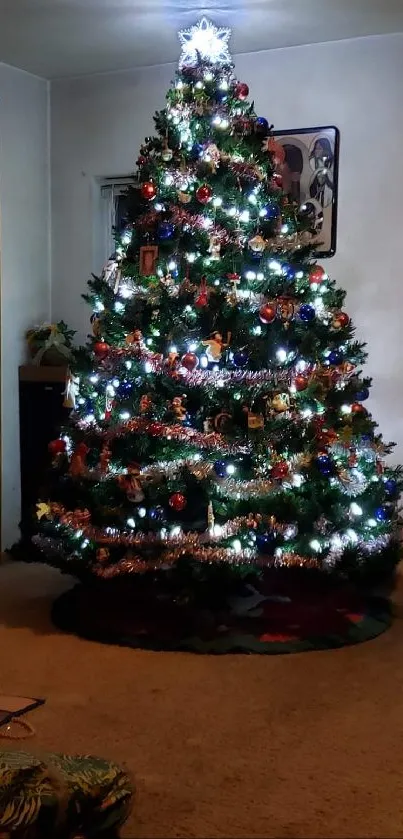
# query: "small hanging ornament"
{"type": "Point", "coordinates": [204, 193]}
{"type": "Point", "coordinates": [215, 246]}
{"type": "Point", "coordinates": [317, 274]}
{"type": "Point", "coordinates": [105, 459]}
{"type": "Point", "coordinates": [78, 465]}
{"type": "Point", "coordinates": [340, 320]}
{"type": "Point", "coordinates": [222, 422]}
{"type": "Point", "coordinates": [301, 382]}
{"type": "Point", "coordinates": [167, 153]}
{"type": "Point", "coordinates": [101, 349]}
{"type": "Point", "coordinates": [178, 409]}
{"type": "Point", "coordinates": [177, 501]}
{"type": "Point", "coordinates": [285, 310]}
{"type": "Point", "coordinates": [255, 421]}
{"type": "Point", "coordinates": [281, 403]}
{"type": "Point", "coordinates": [102, 554]}
{"type": "Point", "coordinates": [307, 313]}
{"type": "Point", "coordinates": [215, 346]}
{"type": "Point", "coordinates": [203, 294]}
{"type": "Point", "coordinates": [135, 339]}
{"type": "Point", "coordinates": [279, 470]}
{"type": "Point", "coordinates": [109, 406]}
{"type": "Point", "coordinates": [240, 358]}
{"type": "Point", "coordinates": [148, 255]}
{"type": "Point", "coordinates": [132, 486]}
{"type": "Point", "coordinates": [268, 312]}
{"type": "Point", "coordinates": [257, 244]}
{"type": "Point", "coordinates": [241, 91]}
{"type": "Point", "coordinates": [148, 190]}
{"type": "Point", "coordinates": [145, 404]}
{"type": "Point", "coordinates": [57, 447]}
{"type": "Point", "coordinates": [261, 125]}
{"type": "Point", "coordinates": [184, 197]}
{"type": "Point", "coordinates": [71, 391]}
{"type": "Point", "coordinates": [190, 361]}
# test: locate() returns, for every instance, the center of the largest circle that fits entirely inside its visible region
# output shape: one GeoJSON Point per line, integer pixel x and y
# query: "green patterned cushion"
{"type": "Point", "coordinates": [42, 798]}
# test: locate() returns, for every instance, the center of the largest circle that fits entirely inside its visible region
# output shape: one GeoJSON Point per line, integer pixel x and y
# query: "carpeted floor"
{"type": "Point", "coordinates": [300, 746]}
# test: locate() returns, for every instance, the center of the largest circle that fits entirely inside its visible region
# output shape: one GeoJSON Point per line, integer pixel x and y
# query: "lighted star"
{"type": "Point", "coordinates": [42, 510]}
{"type": "Point", "coordinates": [206, 41]}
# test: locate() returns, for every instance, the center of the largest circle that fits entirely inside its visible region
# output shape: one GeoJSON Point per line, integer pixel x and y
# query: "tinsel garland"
{"type": "Point", "coordinates": [181, 217]}
{"type": "Point", "coordinates": [79, 521]}
{"type": "Point", "coordinates": [136, 564]}
{"type": "Point", "coordinates": [211, 440]}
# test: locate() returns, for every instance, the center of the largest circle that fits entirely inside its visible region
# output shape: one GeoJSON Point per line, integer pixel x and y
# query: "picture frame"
{"type": "Point", "coordinates": [310, 173]}
{"type": "Point", "coordinates": [148, 260]}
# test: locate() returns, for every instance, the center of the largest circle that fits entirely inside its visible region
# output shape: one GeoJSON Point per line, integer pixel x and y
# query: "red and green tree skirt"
{"type": "Point", "coordinates": [220, 409]}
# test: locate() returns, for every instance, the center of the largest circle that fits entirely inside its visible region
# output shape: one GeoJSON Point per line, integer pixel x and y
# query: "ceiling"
{"type": "Point", "coordinates": [56, 38]}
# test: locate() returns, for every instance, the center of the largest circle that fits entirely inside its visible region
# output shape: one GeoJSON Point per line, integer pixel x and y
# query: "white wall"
{"type": "Point", "coordinates": [98, 123]}
{"type": "Point", "coordinates": [25, 252]}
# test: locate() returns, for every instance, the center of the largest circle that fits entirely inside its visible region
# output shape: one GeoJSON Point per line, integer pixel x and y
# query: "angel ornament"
{"type": "Point", "coordinates": [111, 273]}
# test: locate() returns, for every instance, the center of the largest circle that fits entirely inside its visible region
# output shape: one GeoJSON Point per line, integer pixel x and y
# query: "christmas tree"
{"type": "Point", "coordinates": [219, 407]}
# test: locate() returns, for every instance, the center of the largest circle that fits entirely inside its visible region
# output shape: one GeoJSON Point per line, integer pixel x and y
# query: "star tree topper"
{"type": "Point", "coordinates": [205, 41]}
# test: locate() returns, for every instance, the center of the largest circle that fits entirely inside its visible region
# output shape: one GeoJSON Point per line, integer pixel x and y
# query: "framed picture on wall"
{"type": "Point", "coordinates": [310, 177]}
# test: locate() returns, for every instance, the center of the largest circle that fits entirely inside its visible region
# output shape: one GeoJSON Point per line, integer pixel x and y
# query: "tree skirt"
{"type": "Point", "coordinates": [268, 617]}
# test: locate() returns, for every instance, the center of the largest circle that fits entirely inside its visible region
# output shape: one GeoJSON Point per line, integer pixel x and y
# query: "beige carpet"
{"type": "Point", "coordinates": [307, 745]}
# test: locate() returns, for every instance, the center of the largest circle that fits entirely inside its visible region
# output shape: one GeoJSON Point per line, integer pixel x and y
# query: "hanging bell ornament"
{"type": "Point", "coordinates": [257, 244]}
{"type": "Point", "coordinates": [167, 153]}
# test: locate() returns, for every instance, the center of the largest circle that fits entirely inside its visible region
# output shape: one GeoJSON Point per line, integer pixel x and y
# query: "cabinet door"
{"type": "Point", "coordinates": [41, 415]}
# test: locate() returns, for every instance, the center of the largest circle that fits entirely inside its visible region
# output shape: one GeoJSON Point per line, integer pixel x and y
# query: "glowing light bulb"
{"type": "Point", "coordinates": [244, 216]}
{"type": "Point", "coordinates": [237, 546]}
{"type": "Point", "coordinates": [355, 509]}
{"type": "Point", "coordinates": [124, 415]}
{"type": "Point", "coordinates": [128, 365]}
{"type": "Point", "coordinates": [372, 523]}
{"type": "Point", "coordinates": [297, 480]}
{"type": "Point", "coordinates": [203, 361]}
{"type": "Point", "coordinates": [190, 257]}
{"type": "Point", "coordinates": [223, 84]}
{"type": "Point", "coordinates": [193, 346]}
{"type": "Point", "coordinates": [217, 201]}
{"type": "Point", "coordinates": [98, 306]}
{"type": "Point", "coordinates": [352, 536]}
{"type": "Point", "coordinates": [142, 512]}
{"type": "Point", "coordinates": [199, 85]}
{"type": "Point", "coordinates": [315, 545]}
{"type": "Point", "coordinates": [115, 382]}
{"type": "Point", "coordinates": [257, 330]}
{"type": "Point", "coordinates": [231, 469]}
{"type": "Point", "coordinates": [110, 390]}
{"type": "Point", "coordinates": [208, 76]}
{"type": "Point", "coordinates": [126, 292]}
{"type": "Point", "coordinates": [131, 523]}
{"type": "Point", "coordinates": [275, 266]}
{"type": "Point", "coordinates": [232, 211]}
{"type": "Point", "coordinates": [281, 355]}
{"type": "Point", "coordinates": [94, 379]}
{"type": "Point", "coordinates": [148, 367]}
{"type": "Point", "coordinates": [260, 276]}
{"type": "Point", "coordinates": [345, 409]}
{"type": "Point", "coordinates": [250, 275]}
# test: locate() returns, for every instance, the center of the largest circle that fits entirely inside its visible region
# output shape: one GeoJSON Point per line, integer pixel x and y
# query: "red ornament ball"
{"type": "Point", "coordinates": [357, 408]}
{"type": "Point", "coordinates": [241, 90]}
{"type": "Point", "coordinates": [317, 274]}
{"type": "Point", "coordinates": [301, 382]}
{"type": "Point", "coordinates": [148, 190]}
{"type": "Point", "coordinates": [57, 447]}
{"type": "Point", "coordinates": [279, 470]}
{"type": "Point", "coordinates": [190, 361]}
{"type": "Point", "coordinates": [267, 312]}
{"type": "Point", "coordinates": [340, 320]}
{"type": "Point", "coordinates": [177, 501]}
{"type": "Point", "coordinates": [101, 349]}
{"type": "Point", "coordinates": [204, 193]}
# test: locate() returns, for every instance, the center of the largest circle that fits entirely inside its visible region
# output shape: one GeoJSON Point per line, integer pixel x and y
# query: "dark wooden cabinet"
{"type": "Point", "coordinates": [41, 392]}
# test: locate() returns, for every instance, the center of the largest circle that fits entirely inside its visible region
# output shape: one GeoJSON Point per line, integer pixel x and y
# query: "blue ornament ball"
{"type": "Point", "coordinates": [261, 125]}
{"type": "Point", "coordinates": [165, 230]}
{"type": "Point", "coordinates": [157, 513]}
{"type": "Point", "coordinates": [382, 513]}
{"type": "Point", "coordinates": [390, 486]}
{"type": "Point", "coordinates": [265, 542]}
{"type": "Point", "coordinates": [272, 211]}
{"type": "Point", "coordinates": [362, 395]}
{"type": "Point", "coordinates": [324, 464]}
{"type": "Point", "coordinates": [197, 150]}
{"type": "Point", "coordinates": [289, 272]}
{"type": "Point", "coordinates": [240, 358]}
{"type": "Point", "coordinates": [220, 468]}
{"type": "Point", "coordinates": [335, 357]}
{"type": "Point", "coordinates": [307, 312]}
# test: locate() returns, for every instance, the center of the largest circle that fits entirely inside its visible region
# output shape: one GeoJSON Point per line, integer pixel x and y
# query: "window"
{"type": "Point", "coordinates": [110, 213]}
